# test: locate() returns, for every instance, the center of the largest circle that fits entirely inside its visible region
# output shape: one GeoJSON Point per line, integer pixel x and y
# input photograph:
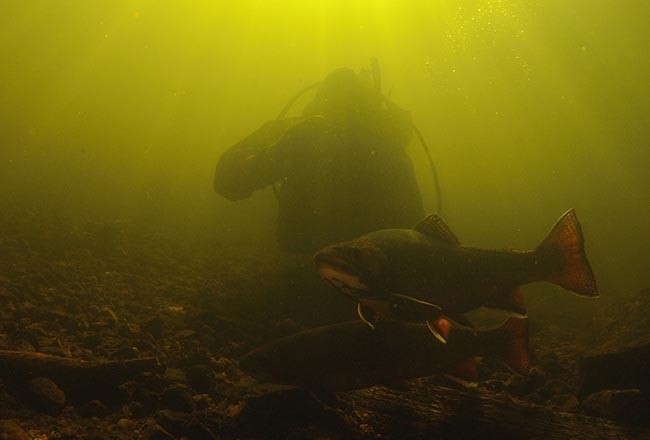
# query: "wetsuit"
{"type": "Point", "coordinates": [341, 168]}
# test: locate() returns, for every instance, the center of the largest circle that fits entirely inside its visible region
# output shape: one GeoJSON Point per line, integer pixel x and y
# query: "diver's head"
{"type": "Point", "coordinates": [343, 97]}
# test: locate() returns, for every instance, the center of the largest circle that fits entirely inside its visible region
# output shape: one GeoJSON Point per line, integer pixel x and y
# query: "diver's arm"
{"type": "Point", "coordinates": [252, 163]}
{"type": "Point", "coordinates": [267, 155]}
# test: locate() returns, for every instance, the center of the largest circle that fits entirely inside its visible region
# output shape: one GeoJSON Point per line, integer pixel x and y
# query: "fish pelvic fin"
{"type": "Point", "coordinates": [572, 270]}
{"type": "Point", "coordinates": [440, 328]}
{"type": "Point", "coordinates": [511, 302]}
{"type": "Point", "coordinates": [363, 318]}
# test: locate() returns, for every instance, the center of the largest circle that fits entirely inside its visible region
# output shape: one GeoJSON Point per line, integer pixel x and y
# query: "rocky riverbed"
{"type": "Point", "coordinates": [112, 332]}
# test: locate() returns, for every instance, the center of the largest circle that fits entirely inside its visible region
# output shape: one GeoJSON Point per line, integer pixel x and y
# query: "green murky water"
{"type": "Point", "coordinates": [121, 109]}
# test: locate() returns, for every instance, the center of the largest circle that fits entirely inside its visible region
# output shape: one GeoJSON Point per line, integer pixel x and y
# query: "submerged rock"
{"type": "Point", "coordinates": [177, 398]}
{"type": "Point", "coordinates": [7, 401]}
{"type": "Point", "coordinates": [94, 408]}
{"type": "Point", "coordinates": [566, 402]}
{"type": "Point", "coordinates": [201, 377]}
{"type": "Point", "coordinates": [616, 370]}
{"type": "Point", "coordinates": [10, 430]}
{"type": "Point", "coordinates": [628, 406]}
{"type": "Point", "coordinates": [522, 385]}
{"type": "Point", "coordinates": [159, 433]}
{"type": "Point", "coordinates": [182, 424]}
{"type": "Point", "coordinates": [553, 387]}
{"type": "Point", "coordinates": [285, 410]}
{"type": "Point", "coordinates": [155, 327]}
{"type": "Point", "coordinates": [45, 395]}
{"type": "Point", "coordinates": [619, 342]}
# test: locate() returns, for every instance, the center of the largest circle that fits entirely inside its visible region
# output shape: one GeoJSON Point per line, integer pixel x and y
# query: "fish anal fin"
{"type": "Point", "coordinates": [464, 372]}
{"type": "Point", "coordinates": [362, 312]}
{"type": "Point", "coordinates": [515, 352]}
{"type": "Point", "coordinates": [510, 301]}
{"type": "Point", "coordinates": [434, 228]}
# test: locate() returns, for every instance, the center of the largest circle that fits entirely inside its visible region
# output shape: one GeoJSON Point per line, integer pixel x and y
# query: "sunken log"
{"type": "Point", "coordinates": [70, 372]}
{"type": "Point", "coordinates": [429, 411]}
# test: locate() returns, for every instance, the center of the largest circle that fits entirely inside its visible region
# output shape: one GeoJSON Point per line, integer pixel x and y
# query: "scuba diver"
{"type": "Point", "coordinates": [339, 170]}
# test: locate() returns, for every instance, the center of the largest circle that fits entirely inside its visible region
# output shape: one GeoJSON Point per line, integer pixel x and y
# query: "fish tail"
{"type": "Point", "coordinates": [565, 246]}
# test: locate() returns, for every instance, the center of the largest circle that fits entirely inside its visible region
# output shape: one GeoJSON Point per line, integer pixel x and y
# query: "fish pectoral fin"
{"type": "Point", "coordinates": [510, 301]}
{"type": "Point", "coordinates": [439, 328]}
{"type": "Point", "coordinates": [363, 317]}
{"type": "Point", "coordinates": [434, 228]}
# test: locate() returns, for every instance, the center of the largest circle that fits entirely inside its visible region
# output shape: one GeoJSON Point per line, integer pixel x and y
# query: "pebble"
{"type": "Point", "coordinates": [10, 430]}
{"type": "Point", "coordinates": [520, 385]}
{"type": "Point", "coordinates": [494, 385]}
{"type": "Point", "coordinates": [628, 406]}
{"type": "Point", "coordinates": [109, 316]}
{"type": "Point", "coordinates": [553, 387]}
{"type": "Point", "coordinates": [175, 375]}
{"type": "Point", "coordinates": [177, 398]}
{"type": "Point", "coordinates": [125, 353]}
{"type": "Point", "coordinates": [173, 421]}
{"type": "Point", "coordinates": [56, 351]}
{"type": "Point", "coordinates": [94, 408]}
{"type": "Point", "coordinates": [280, 409]}
{"type": "Point", "coordinates": [125, 424]}
{"type": "Point", "coordinates": [129, 329]}
{"type": "Point", "coordinates": [566, 402]}
{"type": "Point", "coordinates": [143, 345]}
{"type": "Point", "coordinates": [46, 395]}
{"type": "Point", "coordinates": [138, 410]}
{"type": "Point", "coordinates": [154, 327]}
{"type": "Point", "coordinates": [7, 401]}
{"type": "Point", "coordinates": [201, 377]}
{"type": "Point", "coordinates": [158, 433]}
{"type": "Point", "coordinates": [181, 424]}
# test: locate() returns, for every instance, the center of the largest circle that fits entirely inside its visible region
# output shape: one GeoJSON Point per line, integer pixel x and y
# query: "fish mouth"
{"type": "Point", "coordinates": [340, 275]}
{"type": "Point", "coordinates": [323, 259]}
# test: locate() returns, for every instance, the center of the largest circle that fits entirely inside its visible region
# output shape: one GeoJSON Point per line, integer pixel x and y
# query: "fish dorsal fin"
{"type": "Point", "coordinates": [434, 228]}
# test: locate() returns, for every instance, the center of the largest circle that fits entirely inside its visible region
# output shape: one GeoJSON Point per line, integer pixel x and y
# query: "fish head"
{"type": "Point", "coordinates": [355, 268]}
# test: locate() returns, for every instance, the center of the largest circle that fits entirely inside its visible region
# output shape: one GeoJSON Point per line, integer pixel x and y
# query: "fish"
{"type": "Point", "coordinates": [422, 273]}
{"type": "Point", "coordinates": [350, 355]}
